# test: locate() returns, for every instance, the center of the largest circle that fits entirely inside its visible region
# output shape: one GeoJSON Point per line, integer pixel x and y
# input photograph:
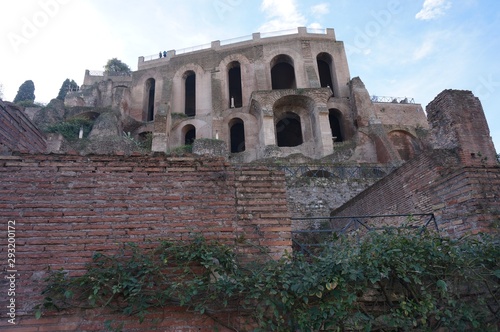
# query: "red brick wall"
{"type": "Point", "coordinates": [66, 207]}
{"type": "Point", "coordinates": [464, 199]}
{"type": "Point", "coordinates": [17, 133]}
{"type": "Point", "coordinates": [457, 121]}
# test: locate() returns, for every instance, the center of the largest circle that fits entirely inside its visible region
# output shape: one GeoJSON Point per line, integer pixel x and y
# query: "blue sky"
{"type": "Point", "coordinates": [398, 48]}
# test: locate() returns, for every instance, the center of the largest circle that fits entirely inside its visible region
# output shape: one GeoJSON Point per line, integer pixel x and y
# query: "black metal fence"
{"type": "Point", "coordinates": [325, 230]}
{"type": "Point", "coordinates": [336, 171]}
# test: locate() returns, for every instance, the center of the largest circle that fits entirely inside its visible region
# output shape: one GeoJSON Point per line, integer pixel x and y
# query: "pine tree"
{"type": "Point", "coordinates": [68, 85]}
{"type": "Point", "coordinates": [26, 92]}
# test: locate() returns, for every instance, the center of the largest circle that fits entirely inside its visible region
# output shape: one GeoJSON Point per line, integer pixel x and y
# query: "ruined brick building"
{"type": "Point", "coordinates": [264, 96]}
{"type": "Point", "coordinates": [286, 96]}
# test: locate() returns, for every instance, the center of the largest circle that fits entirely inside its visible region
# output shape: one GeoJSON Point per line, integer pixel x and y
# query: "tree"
{"type": "Point", "coordinates": [66, 87]}
{"type": "Point", "coordinates": [116, 66]}
{"type": "Point", "coordinates": [26, 92]}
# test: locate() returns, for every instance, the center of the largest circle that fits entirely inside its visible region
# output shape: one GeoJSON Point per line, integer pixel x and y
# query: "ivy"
{"type": "Point", "coordinates": [70, 129]}
{"type": "Point", "coordinates": [389, 281]}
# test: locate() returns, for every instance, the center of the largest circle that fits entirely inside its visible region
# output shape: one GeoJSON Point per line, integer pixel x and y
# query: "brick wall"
{"type": "Point", "coordinates": [457, 121]}
{"type": "Point", "coordinates": [464, 199]}
{"type": "Point", "coordinates": [458, 181]}
{"type": "Point", "coordinates": [66, 207]}
{"type": "Point", "coordinates": [17, 133]}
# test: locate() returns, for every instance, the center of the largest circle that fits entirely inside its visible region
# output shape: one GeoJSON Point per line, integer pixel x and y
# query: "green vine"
{"type": "Point", "coordinates": [394, 281]}
{"type": "Point", "coordinates": [70, 129]}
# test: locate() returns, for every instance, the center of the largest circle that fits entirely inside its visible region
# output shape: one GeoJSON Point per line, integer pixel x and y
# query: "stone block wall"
{"type": "Point", "coordinates": [17, 133]}
{"type": "Point", "coordinates": [67, 207]}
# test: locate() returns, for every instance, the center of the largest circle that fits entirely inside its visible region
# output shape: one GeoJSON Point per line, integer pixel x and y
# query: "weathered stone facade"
{"type": "Point", "coordinates": [264, 96]}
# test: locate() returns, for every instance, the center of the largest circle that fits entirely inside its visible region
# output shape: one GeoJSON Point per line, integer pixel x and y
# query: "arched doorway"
{"type": "Point", "coordinates": [150, 100]}
{"type": "Point", "coordinates": [189, 134]}
{"type": "Point", "coordinates": [283, 73]}
{"type": "Point", "coordinates": [234, 82]}
{"type": "Point", "coordinates": [237, 135]}
{"type": "Point", "coordinates": [289, 130]}
{"type": "Point", "coordinates": [325, 63]}
{"type": "Point", "coordinates": [190, 93]}
{"type": "Point", "coordinates": [335, 119]}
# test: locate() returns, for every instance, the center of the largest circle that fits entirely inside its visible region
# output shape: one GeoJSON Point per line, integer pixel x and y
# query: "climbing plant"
{"type": "Point", "coordinates": [391, 281]}
{"type": "Point", "coordinates": [70, 129]}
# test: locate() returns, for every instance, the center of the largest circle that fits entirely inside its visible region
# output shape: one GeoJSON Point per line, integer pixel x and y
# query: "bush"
{"type": "Point", "coordinates": [394, 281]}
{"type": "Point", "coordinates": [71, 129]}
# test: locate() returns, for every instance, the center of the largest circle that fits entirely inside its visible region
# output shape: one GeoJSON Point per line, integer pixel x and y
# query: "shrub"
{"type": "Point", "coordinates": [70, 129]}
{"type": "Point", "coordinates": [392, 281]}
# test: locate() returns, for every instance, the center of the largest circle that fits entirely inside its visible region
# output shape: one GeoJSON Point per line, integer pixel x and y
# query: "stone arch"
{"type": "Point", "coordinates": [336, 121]}
{"type": "Point", "coordinates": [235, 89]}
{"type": "Point", "coordinates": [90, 115]}
{"type": "Point", "coordinates": [237, 135]}
{"type": "Point", "coordinates": [188, 134]}
{"type": "Point", "coordinates": [330, 60]}
{"type": "Point", "coordinates": [324, 62]}
{"type": "Point", "coordinates": [288, 130]}
{"type": "Point", "coordinates": [317, 173]}
{"type": "Point", "coordinates": [179, 88]}
{"type": "Point", "coordinates": [293, 120]}
{"type": "Point", "coordinates": [251, 128]}
{"type": "Point", "coordinates": [189, 82]}
{"type": "Point", "coordinates": [405, 143]}
{"type": "Point", "coordinates": [283, 72]}
{"type": "Point", "coordinates": [149, 100]}
{"type": "Point", "coordinates": [225, 65]}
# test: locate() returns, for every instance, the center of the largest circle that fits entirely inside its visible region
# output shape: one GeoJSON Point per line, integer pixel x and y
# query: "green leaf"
{"type": "Point", "coordinates": [441, 284]}
{"type": "Point", "coordinates": [68, 294]}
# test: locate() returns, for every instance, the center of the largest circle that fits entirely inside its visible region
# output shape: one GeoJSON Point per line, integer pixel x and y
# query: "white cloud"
{"type": "Point", "coordinates": [320, 9]}
{"type": "Point", "coordinates": [424, 49]}
{"type": "Point", "coordinates": [281, 15]}
{"type": "Point", "coordinates": [433, 9]}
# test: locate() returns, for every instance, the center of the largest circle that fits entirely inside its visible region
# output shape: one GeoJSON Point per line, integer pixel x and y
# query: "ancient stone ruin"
{"type": "Point", "coordinates": [279, 133]}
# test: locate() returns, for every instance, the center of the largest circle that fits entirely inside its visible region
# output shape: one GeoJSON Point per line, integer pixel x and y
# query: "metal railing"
{"type": "Point", "coordinates": [317, 31]}
{"type": "Point", "coordinates": [108, 73]}
{"type": "Point", "coordinates": [336, 171]}
{"type": "Point", "coordinates": [235, 40]}
{"type": "Point", "coordinates": [309, 241]}
{"type": "Point", "coordinates": [96, 73]}
{"type": "Point", "coordinates": [193, 49]}
{"type": "Point", "coordinates": [225, 42]}
{"type": "Point", "coordinates": [394, 100]}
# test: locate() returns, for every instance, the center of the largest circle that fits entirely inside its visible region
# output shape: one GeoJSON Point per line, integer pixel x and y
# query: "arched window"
{"type": "Point", "coordinates": [289, 130]}
{"type": "Point", "coordinates": [234, 80]}
{"type": "Point", "coordinates": [335, 119]}
{"type": "Point", "coordinates": [325, 62]}
{"type": "Point", "coordinates": [237, 135]}
{"type": "Point", "coordinates": [190, 93]}
{"type": "Point", "coordinates": [150, 100]}
{"type": "Point", "coordinates": [282, 73]}
{"type": "Point", "coordinates": [189, 133]}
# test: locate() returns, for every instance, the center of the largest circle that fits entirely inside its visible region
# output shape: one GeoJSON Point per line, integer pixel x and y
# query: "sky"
{"type": "Point", "coordinates": [399, 48]}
